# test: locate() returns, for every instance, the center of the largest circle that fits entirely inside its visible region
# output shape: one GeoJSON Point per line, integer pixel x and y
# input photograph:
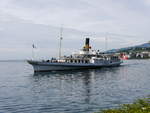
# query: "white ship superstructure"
{"type": "Point", "coordinates": [84, 59]}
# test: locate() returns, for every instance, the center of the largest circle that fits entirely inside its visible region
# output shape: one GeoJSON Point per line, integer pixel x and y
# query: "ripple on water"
{"type": "Point", "coordinates": [82, 91]}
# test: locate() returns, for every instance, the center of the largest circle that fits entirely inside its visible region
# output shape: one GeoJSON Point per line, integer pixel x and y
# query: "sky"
{"type": "Point", "coordinates": [26, 22]}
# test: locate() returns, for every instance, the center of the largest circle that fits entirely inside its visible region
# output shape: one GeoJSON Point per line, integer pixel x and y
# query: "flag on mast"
{"type": "Point", "coordinates": [33, 46]}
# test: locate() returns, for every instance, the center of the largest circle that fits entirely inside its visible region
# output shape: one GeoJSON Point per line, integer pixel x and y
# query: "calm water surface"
{"type": "Point", "coordinates": [83, 91]}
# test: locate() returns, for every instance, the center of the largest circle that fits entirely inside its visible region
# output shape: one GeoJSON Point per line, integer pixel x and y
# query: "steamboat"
{"type": "Point", "coordinates": [84, 59]}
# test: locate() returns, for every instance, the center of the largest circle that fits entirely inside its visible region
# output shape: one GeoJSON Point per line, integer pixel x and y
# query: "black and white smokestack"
{"type": "Point", "coordinates": [87, 41]}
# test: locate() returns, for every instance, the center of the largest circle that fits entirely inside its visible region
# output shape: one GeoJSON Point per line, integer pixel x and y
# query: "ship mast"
{"type": "Point", "coordinates": [106, 42]}
{"type": "Point", "coordinates": [60, 42]}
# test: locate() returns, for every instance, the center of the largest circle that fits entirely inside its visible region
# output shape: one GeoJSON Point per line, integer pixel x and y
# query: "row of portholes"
{"type": "Point", "coordinates": [77, 61]}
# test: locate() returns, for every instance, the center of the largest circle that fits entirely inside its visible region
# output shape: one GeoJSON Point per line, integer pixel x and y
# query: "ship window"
{"type": "Point", "coordinates": [82, 61]}
{"type": "Point", "coordinates": [79, 61]}
{"type": "Point", "coordinates": [86, 61]}
{"type": "Point", "coordinates": [75, 61]}
{"type": "Point", "coordinates": [71, 61]}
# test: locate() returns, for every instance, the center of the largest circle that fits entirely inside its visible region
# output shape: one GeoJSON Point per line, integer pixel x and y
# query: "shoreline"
{"type": "Point", "coordinates": [138, 106]}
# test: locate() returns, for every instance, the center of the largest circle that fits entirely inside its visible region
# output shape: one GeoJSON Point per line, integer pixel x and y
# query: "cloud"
{"type": "Point", "coordinates": [147, 2]}
{"type": "Point", "coordinates": [23, 22]}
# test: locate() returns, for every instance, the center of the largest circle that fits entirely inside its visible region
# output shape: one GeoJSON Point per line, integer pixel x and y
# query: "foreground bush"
{"type": "Point", "coordinates": [139, 106]}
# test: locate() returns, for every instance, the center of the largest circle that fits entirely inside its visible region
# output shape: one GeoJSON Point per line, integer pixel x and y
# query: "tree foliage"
{"type": "Point", "coordinates": [139, 106]}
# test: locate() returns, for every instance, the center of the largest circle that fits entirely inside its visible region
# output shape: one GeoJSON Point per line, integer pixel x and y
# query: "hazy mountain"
{"type": "Point", "coordinates": [141, 46]}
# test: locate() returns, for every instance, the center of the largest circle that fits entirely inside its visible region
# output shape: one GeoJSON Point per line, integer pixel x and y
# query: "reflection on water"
{"type": "Point", "coordinates": [79, 91]}
{"type": "Point", "coordinates": [78, 87]}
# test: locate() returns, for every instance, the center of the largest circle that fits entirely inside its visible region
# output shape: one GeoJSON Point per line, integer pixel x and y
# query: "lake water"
{"type": "Point", "coordinates": [82, 91]}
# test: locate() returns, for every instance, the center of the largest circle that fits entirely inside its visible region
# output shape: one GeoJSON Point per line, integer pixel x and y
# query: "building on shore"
{"type": "Point", "coordinates": [135, 55]}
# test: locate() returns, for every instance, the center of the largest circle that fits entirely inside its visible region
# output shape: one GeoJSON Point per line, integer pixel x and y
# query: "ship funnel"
{"type": "Point", "coordinates": [87, 41]}
{"type": "Point", "coordinates": [87, 44]}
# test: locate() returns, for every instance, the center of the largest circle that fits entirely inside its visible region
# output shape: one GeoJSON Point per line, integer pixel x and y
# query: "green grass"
{"type": "Point", "coordinates": [139, 106]}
